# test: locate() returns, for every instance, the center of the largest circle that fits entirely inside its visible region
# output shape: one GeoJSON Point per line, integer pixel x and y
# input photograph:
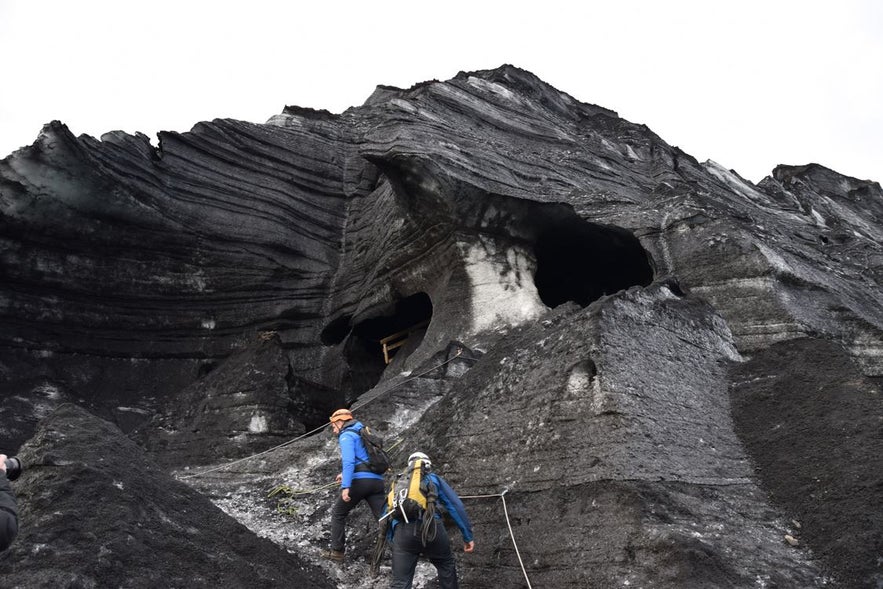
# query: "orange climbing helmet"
{"type": "Point", "coordinates": [341, 415]}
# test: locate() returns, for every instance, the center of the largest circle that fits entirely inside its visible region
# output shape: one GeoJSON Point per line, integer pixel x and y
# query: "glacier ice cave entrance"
{"type": "Point", "coordinates": [406, 319]}
{"type": "Point", "coordinates": [581, 262]}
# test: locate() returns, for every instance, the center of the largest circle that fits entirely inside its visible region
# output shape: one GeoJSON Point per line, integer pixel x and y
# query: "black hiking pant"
{"type": "Point", "coordinates": [372, 491]}
{"type": "Point", "coordinates": [407, 548]}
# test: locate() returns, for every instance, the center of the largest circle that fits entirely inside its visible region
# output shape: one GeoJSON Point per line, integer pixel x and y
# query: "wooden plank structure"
{"type": "Point", "coordinates": [398, 339]}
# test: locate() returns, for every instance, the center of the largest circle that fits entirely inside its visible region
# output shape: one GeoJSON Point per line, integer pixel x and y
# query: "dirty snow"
{"type": "Point", "coordinates": [503, 290]}
{"type": "Point", "coordinates": [258, 424]}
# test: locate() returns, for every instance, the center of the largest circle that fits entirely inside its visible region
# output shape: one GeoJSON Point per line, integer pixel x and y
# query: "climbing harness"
{"type": "Point", "coordinates": [412, 496]}
{"type": "Point", "coordinates": [381, 538]}
{"type": "Point", "coordinates": [385, 522]}
{"type": "Point", "coordinates": [323, 426]}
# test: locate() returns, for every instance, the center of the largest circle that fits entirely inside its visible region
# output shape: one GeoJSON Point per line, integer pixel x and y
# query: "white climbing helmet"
{"type": "Point", "coordinates": [427, 463]}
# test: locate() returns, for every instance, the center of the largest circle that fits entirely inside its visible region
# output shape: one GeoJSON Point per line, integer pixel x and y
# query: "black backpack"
{"type": "Point", "coordinates": [378, 461]}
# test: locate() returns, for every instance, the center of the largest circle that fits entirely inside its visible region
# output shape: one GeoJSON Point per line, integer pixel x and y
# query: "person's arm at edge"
{"type": "Point", "coordinates": [348, 458]}
{"type": "Point", "coordinates": [455, 508]}
{"type": "Point", "coordinates": [8, 511]}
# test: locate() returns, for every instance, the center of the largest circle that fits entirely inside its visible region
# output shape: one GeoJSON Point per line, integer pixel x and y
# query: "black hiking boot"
{"type": "Point", "coordinates": [334, 555]}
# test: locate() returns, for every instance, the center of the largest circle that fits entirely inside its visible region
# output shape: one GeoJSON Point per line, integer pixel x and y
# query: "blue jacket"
{"type": "Point", "coordinates": [451, 503]}
{"type": "Point", "coordinates": [352, 453]}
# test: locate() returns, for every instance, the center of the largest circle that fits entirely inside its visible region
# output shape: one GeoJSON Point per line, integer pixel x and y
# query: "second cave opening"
{"type": "Point", "coordinates": [408, 317]}
{"type": "Point", "coordinates": [581, 262]}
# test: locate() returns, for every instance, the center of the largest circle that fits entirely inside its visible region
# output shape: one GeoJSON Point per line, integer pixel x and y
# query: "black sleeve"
{"type": "Point", "coordinates": [8, 514]}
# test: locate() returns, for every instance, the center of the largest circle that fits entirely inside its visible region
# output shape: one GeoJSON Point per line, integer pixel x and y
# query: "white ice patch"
{"type": "Point", "coordinates": [52, 394]}
{"type": "Point", "coordinates": [405, 417]}
{"type": "Point", "coordinates": [759, 283]}
{"type": "Point", "coordinates": [49, 390]}
{"type": "Point", "coordinates": [631, 152]}
{"type": "Point", "coordinates": [208, 323]}
{"type": "Point", "coordinates": [775, 259]}
{"type": "Point", "coordinates": [820, 220]}
{"type": "Point", "coordinates": [258, 424]}
{"type": "Point", "coordinates": [578, 381]}
{"type": "Point", "coordinates": [736, 183]}
{"type": "Point", "coordinates": [404, 105]}
{"type": "Point", "coordinates": [285, 120]}
{"type": "Point", "coordinates": [134, 410]}
{"type": "Point", "coordinates": [196, 281]}
{"type": "Point", "coordinates": [491, 87]}
{"type": "Point", "coordinates": [503, 290]}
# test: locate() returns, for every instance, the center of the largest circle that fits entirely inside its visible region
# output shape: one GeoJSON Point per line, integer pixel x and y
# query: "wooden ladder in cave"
{"type": "Point", "coordinates": [398, 339]}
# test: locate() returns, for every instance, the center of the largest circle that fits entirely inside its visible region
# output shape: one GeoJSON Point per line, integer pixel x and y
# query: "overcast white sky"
{"type": "Point", "coordinates": [750, 84]}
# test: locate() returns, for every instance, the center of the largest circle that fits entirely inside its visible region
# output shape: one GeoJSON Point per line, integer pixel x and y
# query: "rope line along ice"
{"type": "Point", "coordinates": [323, 426]}
{"type": "Point", "coordinates": [509, 525]}
{"type": "Point", "coordinates": [502, 495]}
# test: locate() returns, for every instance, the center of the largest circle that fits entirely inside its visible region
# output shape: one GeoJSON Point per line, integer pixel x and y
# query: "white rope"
{"type": "Point", "coordinates": [267, 451]}
{"type": "Point", "coordinates": [321, 427]}
{"type": "Point", "coordinates": [509, 525]}
{"type": "Point", "coordinates": [374, 398]}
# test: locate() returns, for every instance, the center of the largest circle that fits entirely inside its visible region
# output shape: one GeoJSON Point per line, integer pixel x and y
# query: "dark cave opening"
{"type": "Point", "coordinates": [336, 331]}
{"type": "Point", "coordinates": [581, 262]}
{"type": "Point", "coordinates": [364, 349]}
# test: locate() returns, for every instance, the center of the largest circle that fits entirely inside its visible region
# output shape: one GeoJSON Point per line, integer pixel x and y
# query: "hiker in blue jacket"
{"type": "Point", "coordinates": [356, 480]}
{"type": "Point", "coordinates": [409, 541]}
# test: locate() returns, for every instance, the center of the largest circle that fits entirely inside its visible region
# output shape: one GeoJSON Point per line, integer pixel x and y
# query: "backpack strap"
{"type": "Point", "coordinates": [361, 465]}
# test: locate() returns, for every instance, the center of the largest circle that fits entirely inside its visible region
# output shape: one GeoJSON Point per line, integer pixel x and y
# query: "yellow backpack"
{"type": "Point", "coordinates": [412, 494]}
{"type": "Point", "coordinates": [412, 497]}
